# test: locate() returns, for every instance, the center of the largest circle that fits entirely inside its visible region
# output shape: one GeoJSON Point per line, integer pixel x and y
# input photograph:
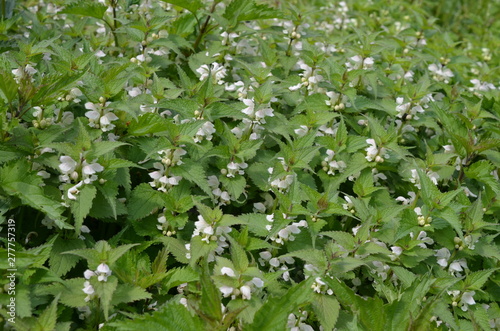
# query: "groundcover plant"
{"type": "Point", "coordinates": [249, 165]}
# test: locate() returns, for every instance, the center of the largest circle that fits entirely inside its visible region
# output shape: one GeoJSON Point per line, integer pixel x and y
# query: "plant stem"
{"type": "Point", "coordinates": [204, 28]}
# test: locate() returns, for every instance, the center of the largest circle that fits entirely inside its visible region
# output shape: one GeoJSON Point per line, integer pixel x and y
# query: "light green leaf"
{"type": "Point", "coordinates": [81, 206]}
{"type": "Point", "coordinates": [129, 293]}
{"type": "Point", "coordinates": [327, 309]}
{"type": "Point", "coordinates": [143, 201]}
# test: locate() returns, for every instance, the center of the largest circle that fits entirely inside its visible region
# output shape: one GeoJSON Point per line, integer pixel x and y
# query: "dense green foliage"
{"type": "Point", "coordinates": [250, 165]}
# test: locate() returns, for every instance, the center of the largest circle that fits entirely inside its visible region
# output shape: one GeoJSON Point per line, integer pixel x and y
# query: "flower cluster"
{"type": "Point", "coordinates": [82, 172]}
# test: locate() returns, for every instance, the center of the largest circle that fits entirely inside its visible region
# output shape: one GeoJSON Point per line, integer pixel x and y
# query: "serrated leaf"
{"type": "Point", "coordinates": [146, 124]}
{"type": "Point", "coordinates": [475, 280]}
{"type": "Point", "coordinates": [129, 293]}
{"type": "Point", "coordinates": [178, 276]}
{"type": "Point", "coordinates": [86, 8]}
{"type": "Point", "coordinates": [143, 201]}
{"type": "Point", "coordinates": [274, 312]}
{"type": "Point", "coordinates": [60, 263]}
{"type": "Point", "coordinates": [327, 309]}
{"type": "Point", "coordinates": [194, 173]}
{"type": "Point", "coordinates": [47, 319]}
{"type": "Point", "coordinates": [171, 317]}
{"type": "Point", "coordinates": [81, 206]}
{"type": "Point", "coordinates": [191, 5]}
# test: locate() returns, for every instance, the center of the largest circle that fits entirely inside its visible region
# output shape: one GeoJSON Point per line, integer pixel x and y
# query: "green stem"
{"type": "Point", "coordinates": [204, 28]}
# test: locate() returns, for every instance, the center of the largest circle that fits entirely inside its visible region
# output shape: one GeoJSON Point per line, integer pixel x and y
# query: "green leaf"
{"type": "Point", "coordinates": [194, 173]}
{"type": "Point", "coordinates": [274, 312]}
{"type": "Point", "coordinates": [210, 296]}
{"type": "Point", "coordinates": [103, 147]}
{"type": "Point", "coordinates": [47, 319]}
{"type": "Point", "coordinates": [146, 124]}
{"type": "Point", "coordinates": [234, 186]}
{"type": "Point", "coordinates": [105, 291]}
{"type": "Point", "coordinates": [406, 277]}
{"type": "Point", "coordinates": [327, 309]}
{"type": "Point", "coordinates": [238, 255]}
{"type": "Point", "coordinates": [81, 206]}
{"type": "Point", "coordinates": [178, 276]}
{"type": "Point", "coordinates": [191, 5]}
{"type": "Point", "coordinates": [475, 280]}
{"type": "Point", "coordinates": [86, 8]}
{"type": "Point", "coordinates": [8, 85]}
{"type": "Point", "coordinates": [60, 263]}
{"type": "Point", "coordinates": [171, 317]}
{"type": "Point", "coordinates": [143, 200]}
{"type": "Point", "coordinates": [129, 293]}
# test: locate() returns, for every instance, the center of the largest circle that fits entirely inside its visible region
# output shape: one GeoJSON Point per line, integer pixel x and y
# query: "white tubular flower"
{"type": "Point", "coordinates": [226, 291]}
{"type": "Point", "coordinates": [467, 299]}
{"type": "Point", "coordinates": [234, 168]}
{"type": "Point", "coordinates": [258, 282]}
{"type": "Point", "coordinates": [373, 153]}
{"type": "Point", "coordinates": [89, 170]}
{"type": "Point", "coordinates": [396, 252]}
{"type": "Point", "coordinates": [480, 86]}
{"type": "Point", "coordinates": [443, 255]}
{"type": "Point", "coordinates": [88, 274]}
{"type": "Point", "coordinates": [217, 71]}
{"type": "Point", "coordinates": [457, 266]}
{"type": "Point", "coordinates": [100, 116]}
{"type": "Point", "coordinates": [103, 272]}
{"type": "Point", "coordinates": [227, 271]}
{"type": "Point", "coordinates": [440, 73]}
{"type": "Point", "coordinates": [67, 167]}
{"type": "Point", "coordinates": [205, 132]}
{"type": "Point", "coordinates": [73, 191]}
{"type": "Point", "coordinates": [246, 292]}
{"type": "Point", "coordinates": [358, 62]}
{"type": "Point", "coordinates": [330, 165]}
{"type": "Point", "coordinates": [89, 290]}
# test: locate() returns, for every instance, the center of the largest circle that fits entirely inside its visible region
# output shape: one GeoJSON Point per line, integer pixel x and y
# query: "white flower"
{"type": "Point", "coordinates": [246, 292]}
{"type": "Point", "coordinates": [257, 282]}
{"type": "Point", "coordinates": [73, 191]}
{"type": "Point", "coordinates": [409, 200]}
{"type": "Point", "coordinates": [373, 153]}
{"type": "Point", "coordinates": [205, 132]}
{"type": "Point", "coordinates": [467, 299]}
{"type": "Point", "coordinates": [88, 274]}
{"type": "Point", "coordinates": [89, 290]}
{"type": "Point", "coordinates": [440, 72]}
{"type": "Point", "coordinates": [443, 255]}
{"type": "Point", "coordinates": [67, 165]}
{"type": "Point", "coordinates": [103, 272]}
{"type": "Point", "coordinates": [457, 266]}
{"type": "Point", "coordinates": [226, 291]}
{"type": "Point", "coordinates": [396, 252]}
{"type": "Point", "coordinates": [480, 86]}
{"type": "Point", "coordinates": [422, 236]}
{"type": "Point", "coordinates": [89, 170]}
{"type": "Point", "coordinates": [100, 116]}
{"type": "Point", "coordinates": [227, 271]}
{"type": "Point", "coordinates": [217, 71]}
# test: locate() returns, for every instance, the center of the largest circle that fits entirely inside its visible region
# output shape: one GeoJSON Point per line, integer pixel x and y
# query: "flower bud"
{"type": "Point", "coordinates": [223, 171]}
{"type": "Point", "coordinates": [74, 175]}
{"type": "Point", "coordinates": [102, 100]}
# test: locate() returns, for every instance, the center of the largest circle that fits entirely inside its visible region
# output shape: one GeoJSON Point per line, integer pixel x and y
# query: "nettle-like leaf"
{"type": "Point", "coordinates": [171, 317]}
{"type": "Point", "coordinates": [143, 201]}
{"type": "Point", "coordinates": [86, 8]}
{"type": "Point", "coordinates": [81, 206]}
